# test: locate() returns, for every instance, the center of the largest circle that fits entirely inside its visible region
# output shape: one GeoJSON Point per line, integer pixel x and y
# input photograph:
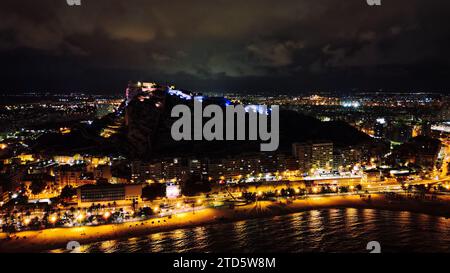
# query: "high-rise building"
{"type": "Point", "coordinates": [313, 155]}
{"type": "Point", "coordinates": [198, 167]}
{"type": "Point", "coordinates": [346, 157]}
{"type": "Point", "coordinates": [380, 128]}
{"type": "Point", "coordinates": [303, 152]}
{"type": "Point", "coordinates": [322, 155]}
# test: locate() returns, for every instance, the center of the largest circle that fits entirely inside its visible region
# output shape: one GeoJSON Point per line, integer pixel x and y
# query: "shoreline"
{"type": "Point", "coordinates": [55, 238]}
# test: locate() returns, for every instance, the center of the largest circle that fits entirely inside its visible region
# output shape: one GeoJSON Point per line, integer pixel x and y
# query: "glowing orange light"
{"type": "Point", "coordinates": [106, 215]}
{"type": "Point", "coordinates": [80, 217]}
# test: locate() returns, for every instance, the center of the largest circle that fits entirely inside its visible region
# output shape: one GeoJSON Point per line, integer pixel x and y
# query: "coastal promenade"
{"type": "Point", "coordinates": [44, 240]}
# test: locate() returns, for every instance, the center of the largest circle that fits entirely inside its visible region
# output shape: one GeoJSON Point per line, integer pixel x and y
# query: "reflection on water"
{"type": "Point", "coordinates": [331, 230]}
{"type": "Point", "coordinates": [108, 246]}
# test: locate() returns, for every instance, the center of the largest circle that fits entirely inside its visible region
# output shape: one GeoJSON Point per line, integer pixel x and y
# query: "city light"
{"type": "Point", "coordinates": [295, 118]}
{"type": "Point", "coordinates": [381, 120]}
{"type": "Point", "coordinates": [53, 219]}
{"type": "Point", "coordinates": [172, 191]}
{"type": "Point", "coordinates": [106, 215]}
{"type": "Point", "coordinates": [80, 217]}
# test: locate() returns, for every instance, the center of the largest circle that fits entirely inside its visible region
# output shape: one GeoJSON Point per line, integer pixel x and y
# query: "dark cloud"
{"type": "Point", "coordinates": [225, 44]}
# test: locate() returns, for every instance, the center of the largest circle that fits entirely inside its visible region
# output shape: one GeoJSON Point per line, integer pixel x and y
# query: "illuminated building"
{"type": "Point", "coordinates": [197, 167]}
{"type": "Point", "coordinates": [380, 128]}
{"type": "Point", "coordinates": [4, 196]}
{"type": "Point", "coordinates": [76, 175]}
{"type": "Point", "coordinates": [370, 176]}
{"type": "Point", "coordinates": [443, 127]}
{"type": "Point", "coordinates": [346, 157]}
{"type": "Point", "coordinates": [303, 153]}
{"type": "Point", "coordinates": [102, 172]}
{"type": "Point", "coordinates": [322, 155]}
{"type": "Point", "coordinates": [121, 194]}
{"type": "Point", "coordinates": [164, 170]}
{"type": "Point", "coordinates": [313, 155]}
{"type": "Point", "coordinates": [172, 191]}
{"type": "Point", "coordinates": [24, 158]}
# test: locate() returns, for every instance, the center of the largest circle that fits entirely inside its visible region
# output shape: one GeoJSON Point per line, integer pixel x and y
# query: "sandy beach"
{"type": "Point", "coordinates": [43, 240]}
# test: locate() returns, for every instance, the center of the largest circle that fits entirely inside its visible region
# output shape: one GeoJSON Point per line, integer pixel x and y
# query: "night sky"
{"type": "Point", "coordinates": [225, 45]}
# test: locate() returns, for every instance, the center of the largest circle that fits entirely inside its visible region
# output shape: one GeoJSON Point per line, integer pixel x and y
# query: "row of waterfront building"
{"type": "Point", "coordinates": [305, 158]}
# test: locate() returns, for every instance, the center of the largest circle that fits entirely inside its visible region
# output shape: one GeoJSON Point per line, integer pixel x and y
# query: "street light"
{"type": "Point", "coordinates": [106, 215]}
{"type": "Point", "coordinates": [80, 217]}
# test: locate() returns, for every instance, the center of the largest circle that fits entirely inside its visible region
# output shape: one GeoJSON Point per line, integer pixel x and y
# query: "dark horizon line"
{"type": "Point", "coordinates": [349, 91]}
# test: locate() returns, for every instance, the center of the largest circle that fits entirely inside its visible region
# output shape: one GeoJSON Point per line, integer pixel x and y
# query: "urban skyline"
{"type": "Point", "coordinates": [101, 162]}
